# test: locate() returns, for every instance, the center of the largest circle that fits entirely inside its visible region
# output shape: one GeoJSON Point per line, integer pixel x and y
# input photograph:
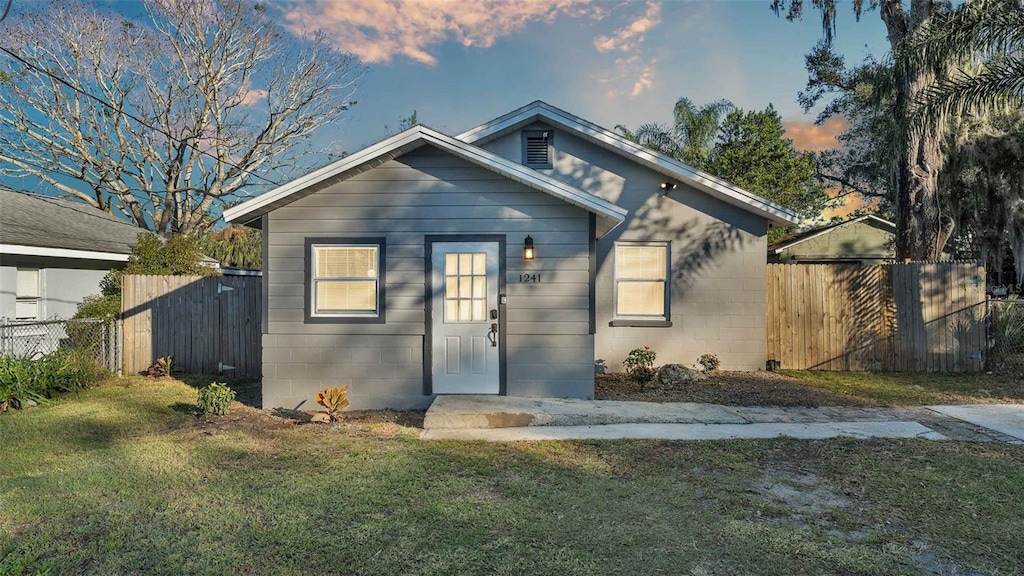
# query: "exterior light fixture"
{"type": "Point", "coordinates": [668, 186]}
{"type": "Point", "coordinates": [528, 248]}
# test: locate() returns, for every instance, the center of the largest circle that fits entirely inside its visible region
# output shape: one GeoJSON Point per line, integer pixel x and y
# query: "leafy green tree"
{"type": "Point", "coordinates": [175, 256]}
{"type": "Point", "coordinates": [691, 137]}
{"type": "Point", "coordinates": [236, 246]}
{"type": "Point", "coordinates": [922, 228]}
{"type": "Point", "coordinates": [753, 153]}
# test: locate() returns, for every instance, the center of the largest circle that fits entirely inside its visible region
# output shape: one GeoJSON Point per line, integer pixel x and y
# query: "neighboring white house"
{"type": "Point", "coordinates": [53, 253]}
{"type": "Point", "coordinates": [505, 260]}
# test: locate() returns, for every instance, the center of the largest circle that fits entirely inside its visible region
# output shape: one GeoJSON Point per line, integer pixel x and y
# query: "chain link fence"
{"type": "Point", "coordinates": [38, 338]}
{"type": "Point", "coordinates": [1006, 335]}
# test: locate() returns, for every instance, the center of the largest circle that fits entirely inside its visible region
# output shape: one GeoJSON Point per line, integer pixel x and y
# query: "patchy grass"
{"type": "Point", "coordinates": [125, 479]}
{"type": "Point", "coordinates": [808, 388]}
{"type": "Point", "coordinates": [894, 389]}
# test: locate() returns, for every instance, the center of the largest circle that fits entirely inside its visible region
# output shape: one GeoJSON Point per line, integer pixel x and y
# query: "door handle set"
{"type": "Point", "coordinates": [493, 334]}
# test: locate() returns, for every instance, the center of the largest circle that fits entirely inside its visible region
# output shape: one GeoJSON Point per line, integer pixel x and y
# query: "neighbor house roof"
{"type": "Point", "coordinates": [608, 214]}
{"type": "Point", "coordinates": [778, 247]}
{"type": "Point", "coordinates": [542, 112]}
{"type": "Point", "coordinates": [44, 226]}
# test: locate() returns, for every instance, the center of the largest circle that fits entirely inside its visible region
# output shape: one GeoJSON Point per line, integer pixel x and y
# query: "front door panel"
{"type": "Point", "coordinates": [464, 308]}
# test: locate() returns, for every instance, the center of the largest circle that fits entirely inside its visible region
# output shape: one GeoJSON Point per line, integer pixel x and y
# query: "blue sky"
{"type": "Point", "coordinates": [460, 63]}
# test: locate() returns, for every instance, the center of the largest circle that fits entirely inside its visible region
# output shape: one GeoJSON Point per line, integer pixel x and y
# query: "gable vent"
{"type": "Point", "coordinates": [537, 149]}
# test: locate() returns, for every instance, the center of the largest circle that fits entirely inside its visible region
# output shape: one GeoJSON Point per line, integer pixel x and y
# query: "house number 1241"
{"type": "Point", "coordinates": [529, 277]}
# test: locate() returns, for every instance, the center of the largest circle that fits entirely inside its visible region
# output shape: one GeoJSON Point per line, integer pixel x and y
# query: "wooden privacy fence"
{"type": "Point", "coordinates": [210, 324]}
{"type": "Point", "coordinates": [914, 317]}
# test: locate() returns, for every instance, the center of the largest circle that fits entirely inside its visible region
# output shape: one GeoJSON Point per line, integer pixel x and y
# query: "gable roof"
{"type": "Point", "coordinates": [609, 215]}
{"type": "Point", "coordinates": [815, 232]}
{"type": "Point", "coordinates": [609, 140]}
{"type": "Point", "coordinates": [46, 226]}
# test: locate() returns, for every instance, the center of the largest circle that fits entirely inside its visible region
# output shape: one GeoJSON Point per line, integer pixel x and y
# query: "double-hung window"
{"type": "Point", "coordinates": [346, 279]}
{"type": "Point", "coordinates": [26, 305]}
{"type": "Point", "coordinates": [641, 281]}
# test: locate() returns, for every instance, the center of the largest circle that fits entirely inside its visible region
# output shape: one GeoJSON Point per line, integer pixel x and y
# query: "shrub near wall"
{"type": "Point", "coordinates": [24, 380]}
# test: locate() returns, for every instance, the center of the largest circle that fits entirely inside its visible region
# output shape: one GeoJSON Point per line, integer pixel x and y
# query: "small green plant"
{"type": "Point", "coordinates": [709, 362]}
{"type": "Point", "coordinates": [215, 399]}
{"type": "Point", "coordinates": [334, 400]}
{"type": "Point", "coordinates": [25, 380]}
{"type": "Point", "coordinates": [640, 365]}
{"type": "Point", "coordinates": [161, 367]}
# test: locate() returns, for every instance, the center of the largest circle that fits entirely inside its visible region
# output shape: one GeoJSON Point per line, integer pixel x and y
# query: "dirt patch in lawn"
{"type": "Point", "coordinates": [244, 418]}
{"type": "Point", "coordinates": [728, 388]}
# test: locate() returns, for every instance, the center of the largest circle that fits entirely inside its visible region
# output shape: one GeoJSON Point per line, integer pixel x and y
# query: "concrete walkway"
{"type": "Point", "coordinates": [503, 418]}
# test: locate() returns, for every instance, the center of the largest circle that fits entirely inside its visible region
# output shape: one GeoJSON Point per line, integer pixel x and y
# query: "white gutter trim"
{"type": "Point", "coordinates": [659, 162]}
{"type": "Point", "coordinates": [61, 253]}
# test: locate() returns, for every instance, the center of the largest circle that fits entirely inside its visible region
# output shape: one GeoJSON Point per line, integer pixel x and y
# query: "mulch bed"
{"type": "Point", "coordinates": [727, 388]}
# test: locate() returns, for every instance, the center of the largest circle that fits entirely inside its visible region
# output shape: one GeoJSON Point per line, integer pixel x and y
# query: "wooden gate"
{"type": "Point", "coordinates": [210, 324]}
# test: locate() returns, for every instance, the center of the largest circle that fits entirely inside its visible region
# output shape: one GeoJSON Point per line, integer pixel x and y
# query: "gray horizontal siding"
{"type": "Point", "coordinates": [402, 238]}
{"type": "Point", "coordinates": [718, 258]}
{"type": "Point", "coordinates": [427, 193]}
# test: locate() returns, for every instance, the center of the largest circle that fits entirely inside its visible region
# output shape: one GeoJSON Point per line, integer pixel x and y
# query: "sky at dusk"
{"type": "Point", "coordinates": [461, 63]}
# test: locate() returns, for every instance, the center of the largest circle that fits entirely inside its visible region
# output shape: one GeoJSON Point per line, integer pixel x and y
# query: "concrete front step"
{"type": "Point", "coordinates": [477, 412]}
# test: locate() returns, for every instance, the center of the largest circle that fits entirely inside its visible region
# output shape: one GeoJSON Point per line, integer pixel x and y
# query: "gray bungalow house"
{"type": "Point", "coordinates": [505, 260]}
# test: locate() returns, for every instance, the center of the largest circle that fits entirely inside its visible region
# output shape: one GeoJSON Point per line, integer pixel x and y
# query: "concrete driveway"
{"type": "Point", "coordinates": [1004, 418]}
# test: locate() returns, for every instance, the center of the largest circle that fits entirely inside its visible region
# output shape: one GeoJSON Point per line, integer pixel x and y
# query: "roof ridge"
{"type": "Point", "coordinates": [657, 161]}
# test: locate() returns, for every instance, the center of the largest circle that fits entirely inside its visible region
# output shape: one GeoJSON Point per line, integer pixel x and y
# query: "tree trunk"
{"type": "Point", "coordinates": [921, 229]}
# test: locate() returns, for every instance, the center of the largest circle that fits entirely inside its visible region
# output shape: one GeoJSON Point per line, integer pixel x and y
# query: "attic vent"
{"type": "Point", "coordinates": [537, 148]}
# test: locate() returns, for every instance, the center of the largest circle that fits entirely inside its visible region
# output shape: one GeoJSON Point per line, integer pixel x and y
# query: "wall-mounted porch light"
{"type": "Point", "coordinates": [528, 248]}
{"type": "Point", "coordinates": [668, 186]}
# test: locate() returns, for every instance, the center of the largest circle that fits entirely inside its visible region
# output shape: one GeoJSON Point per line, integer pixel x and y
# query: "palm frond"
{"type": "Point", "coordinates": [980, 26]}
{"type": "Point", "coordinates": [999, 84]}
{"type": "Point", "coordinates": [657, 137]}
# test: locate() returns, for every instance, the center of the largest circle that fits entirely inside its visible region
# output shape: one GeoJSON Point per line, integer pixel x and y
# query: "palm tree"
{"type": "Point", "coordinates": [691, 136]}
{"type": "Point", "coordinates": [980, 46]}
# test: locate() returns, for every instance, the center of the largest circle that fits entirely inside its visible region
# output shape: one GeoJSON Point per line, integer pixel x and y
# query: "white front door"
{"type": "Point", "coordinates": [464, 315]}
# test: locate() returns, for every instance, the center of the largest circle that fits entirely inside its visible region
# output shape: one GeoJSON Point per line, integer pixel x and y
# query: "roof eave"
{"type": "Point", "coordinates": [541, 111]}
{"type": "Point", "coordinates": [409, 140]}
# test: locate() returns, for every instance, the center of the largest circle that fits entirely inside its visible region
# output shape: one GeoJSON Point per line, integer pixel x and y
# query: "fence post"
{"type": "Point", "coordinates": [119, 347]}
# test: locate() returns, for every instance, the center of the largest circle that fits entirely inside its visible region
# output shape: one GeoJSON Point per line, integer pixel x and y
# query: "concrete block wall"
{"type": "Point", "coordinates": [388, 369]}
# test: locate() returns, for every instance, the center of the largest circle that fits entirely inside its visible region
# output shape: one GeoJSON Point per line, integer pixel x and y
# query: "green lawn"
{"type": "Point", "coordinates": [909, 389]}
{"type": "Point", "coordinates": [121, 479]}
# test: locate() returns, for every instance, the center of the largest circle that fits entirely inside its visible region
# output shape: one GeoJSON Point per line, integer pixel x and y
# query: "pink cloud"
{"type": "Point", "coordinates": [378, 31]}
{"type": "Point", "coordinates": [643, 83]}
{"type": "Point", "coordinates": [811, 137]}
{"type": "Point", "coordinates": [253, 97]}
{"type": "Point", "coordinates": [629, 37]}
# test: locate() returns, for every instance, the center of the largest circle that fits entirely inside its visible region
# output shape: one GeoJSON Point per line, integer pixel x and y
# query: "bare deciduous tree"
{"type": "Point", "coordinates": [210, 101]}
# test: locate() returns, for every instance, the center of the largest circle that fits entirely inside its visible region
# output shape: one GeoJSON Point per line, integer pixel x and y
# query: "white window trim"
{"type": "Point", "coordinates": [312, 314]}
{"type": "Point", "coordinates": [37, 299]}
{"type": "Point", "coordinates": [667, 315]}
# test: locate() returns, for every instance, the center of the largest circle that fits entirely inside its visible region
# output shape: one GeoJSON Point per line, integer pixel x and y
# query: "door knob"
{"type": "Point", "coordinates": [494, 334]}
